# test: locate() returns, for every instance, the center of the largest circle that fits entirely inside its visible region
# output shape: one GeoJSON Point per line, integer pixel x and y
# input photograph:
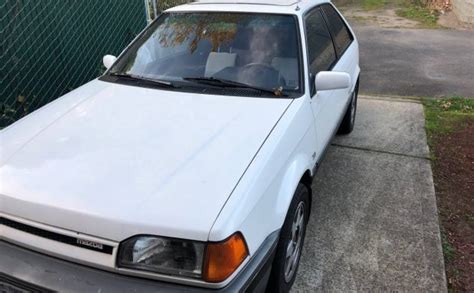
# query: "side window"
{"type": "Point", "coordinates": [320, 47]}
{"type": "Point", "coordinates": [340, 32]}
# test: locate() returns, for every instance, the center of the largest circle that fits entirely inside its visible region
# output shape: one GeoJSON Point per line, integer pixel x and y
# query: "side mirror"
{"type": "Point", "coordinates": [108, 60]}
{"type": "Point", "coordinates": [329, 80]}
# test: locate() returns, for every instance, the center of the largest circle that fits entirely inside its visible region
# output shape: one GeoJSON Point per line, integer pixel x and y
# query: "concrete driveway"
{"type": "Point", "coordinates": [416, 62]}
{"type": "Point", "coordinates": [374, 223]}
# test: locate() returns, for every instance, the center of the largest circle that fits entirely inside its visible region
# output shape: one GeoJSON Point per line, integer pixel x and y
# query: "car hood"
{"type": "Point", "coordinates": [114, 161]}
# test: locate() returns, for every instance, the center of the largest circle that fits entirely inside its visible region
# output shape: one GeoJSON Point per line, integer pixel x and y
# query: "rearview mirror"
{"type": "Point", "coordinates": [329, 80]}
{"type": "Point", "coordinates": [108, 60]}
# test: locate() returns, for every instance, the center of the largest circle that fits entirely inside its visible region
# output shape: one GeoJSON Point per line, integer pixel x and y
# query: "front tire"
{"type": "Point", "coordinates": [290, 245]}
{"type": "Point", "coordinates": [348, 122]}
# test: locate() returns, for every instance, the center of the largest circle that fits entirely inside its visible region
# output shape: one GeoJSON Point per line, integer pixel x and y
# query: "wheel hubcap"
{"type": "Point", "coordinates": [293, 248]}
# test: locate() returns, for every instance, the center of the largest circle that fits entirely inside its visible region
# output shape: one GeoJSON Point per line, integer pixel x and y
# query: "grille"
{"type": "Point", "coordinates": [95, 246]}
{"type": "Point", "coordinates": [13, 285]}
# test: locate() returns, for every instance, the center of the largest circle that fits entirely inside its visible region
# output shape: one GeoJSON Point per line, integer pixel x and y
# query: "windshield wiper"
{"type": "Point", "coordinates": [234, 84]}
{"type": "Point", "coordinates": [141, 79]}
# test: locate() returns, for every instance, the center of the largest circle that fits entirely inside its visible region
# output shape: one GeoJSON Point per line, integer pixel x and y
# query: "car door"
{"type": "Point", "coordinates": [321, 57]}
{"type": "Point", "coordinates": [327, 106]}
{"type": "Point", "coordinates": [346, 51]}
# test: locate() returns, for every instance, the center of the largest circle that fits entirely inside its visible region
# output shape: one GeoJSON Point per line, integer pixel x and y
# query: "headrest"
{"type": "Point", "coordinates": [218, 61]}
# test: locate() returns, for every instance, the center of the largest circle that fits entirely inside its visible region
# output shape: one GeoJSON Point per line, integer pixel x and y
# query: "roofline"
{"type": "Point", "coordinates": [249, 2]}
{"type": "Point", "coordinates": [297, 7]}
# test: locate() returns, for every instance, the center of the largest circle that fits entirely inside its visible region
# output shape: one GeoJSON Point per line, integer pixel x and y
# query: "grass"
{"type": "Point", "coordinates": [364, 4]}
{"type": "Point", "coordinates": [415, 11]}
{"type": "Point", "coordinates": [445, 115]}
{"type": "Point", "coordinates": [411, 9]}
{"type": "Point", "coordinates": [373, 4]}
{"type": "Point", "coordinates": [448, 249]}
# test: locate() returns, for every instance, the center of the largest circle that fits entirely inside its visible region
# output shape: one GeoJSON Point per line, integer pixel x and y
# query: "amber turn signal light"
{"type": "Point", "coordinates": [223, 258]}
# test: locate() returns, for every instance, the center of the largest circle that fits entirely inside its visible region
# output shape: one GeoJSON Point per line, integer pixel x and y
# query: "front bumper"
{"type": "Point", "coordinates": [23, 268]}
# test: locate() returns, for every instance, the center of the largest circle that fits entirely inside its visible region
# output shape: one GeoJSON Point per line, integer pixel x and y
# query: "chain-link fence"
{"type": "Point", "coordinates": [48, 47]}
{"type": "Point", "coordinates": [155, 7]}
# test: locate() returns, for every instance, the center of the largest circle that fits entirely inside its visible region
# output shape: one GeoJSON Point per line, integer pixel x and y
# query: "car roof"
{"type": "Point", "coordinates": [273, 6]}
{"type": "Point", "coordinates": [255, 2]}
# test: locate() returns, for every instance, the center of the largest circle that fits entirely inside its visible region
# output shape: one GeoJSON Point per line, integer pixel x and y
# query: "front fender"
{"type": "Point", "coordinates": [293, 175]}
{"type": "Point", "coordinates": [259, 203]}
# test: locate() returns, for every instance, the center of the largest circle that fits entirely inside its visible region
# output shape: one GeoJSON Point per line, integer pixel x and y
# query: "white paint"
{"type": "Point", "coordinates": [112, 161]}
{"type": "Point", "coordinates": [135, 160]}
{"type": "Point", "coordinates": [108, 61]}
{"type": "Point", "coordinates": [330, 80]}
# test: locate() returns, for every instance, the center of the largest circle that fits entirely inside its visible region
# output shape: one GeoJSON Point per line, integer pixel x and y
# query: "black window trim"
{"type": "Point", "coordinates": [338, 57]}
{"type": "Point", "coordinates": [330, 31]}
{"type": "Point", "coordinates": [310, 75]}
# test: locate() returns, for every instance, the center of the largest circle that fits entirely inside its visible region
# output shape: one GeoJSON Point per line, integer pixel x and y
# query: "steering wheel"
{"type": "Point", "coordinates": [265, 71]}
{"type": "Point", "coordinates": [261, 65]}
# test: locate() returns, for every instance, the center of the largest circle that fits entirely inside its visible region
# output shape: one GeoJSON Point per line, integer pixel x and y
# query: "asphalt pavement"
{"type": "Point", "coordinates": [416, 62]}
{"type": "Point", "coordinates": [374, 222]}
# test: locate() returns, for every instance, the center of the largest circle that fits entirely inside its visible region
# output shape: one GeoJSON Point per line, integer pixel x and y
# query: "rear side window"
{"type": "Point", "coordinates": [340, 32]}
{"type": "Point", "coordinates": [320, 48]}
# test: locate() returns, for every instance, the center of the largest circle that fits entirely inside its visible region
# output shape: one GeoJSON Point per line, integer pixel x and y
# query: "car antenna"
{"type": "Point", "coordinates": [297, 6]}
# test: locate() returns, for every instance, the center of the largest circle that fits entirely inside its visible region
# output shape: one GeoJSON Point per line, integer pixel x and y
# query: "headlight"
{"type": "Point", "coordinates": [162, 255]}
{"type": "Point", "coordinates": [212, 262]}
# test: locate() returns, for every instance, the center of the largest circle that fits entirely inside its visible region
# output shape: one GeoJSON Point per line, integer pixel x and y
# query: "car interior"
{"type": "Point", "coordinates": [259, 57]}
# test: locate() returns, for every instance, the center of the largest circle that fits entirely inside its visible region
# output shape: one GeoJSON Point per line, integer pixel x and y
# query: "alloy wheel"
{"type": "Point", "coordinates": [293, 249]}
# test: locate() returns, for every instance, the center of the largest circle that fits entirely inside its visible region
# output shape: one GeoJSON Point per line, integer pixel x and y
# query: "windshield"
{"type": "Point", "coordinates": [259, 50]}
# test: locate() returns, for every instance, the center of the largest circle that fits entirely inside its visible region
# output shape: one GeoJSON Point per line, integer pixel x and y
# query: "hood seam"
{"type": "Point", "coordinates": [246, 168]}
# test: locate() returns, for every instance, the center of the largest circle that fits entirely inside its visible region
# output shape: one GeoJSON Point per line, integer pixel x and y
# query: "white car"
{"type": "Point", "coordinates": [188, 165]}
